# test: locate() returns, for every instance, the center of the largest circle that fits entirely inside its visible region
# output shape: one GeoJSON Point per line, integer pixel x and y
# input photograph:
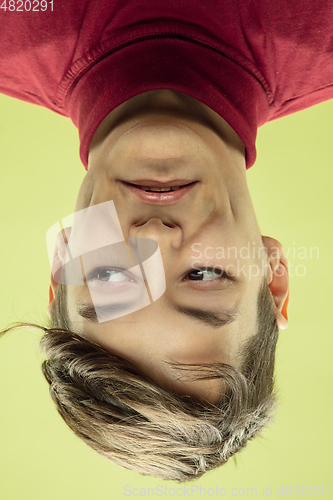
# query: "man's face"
{"type": "Point", "coordinates": [204, 316]}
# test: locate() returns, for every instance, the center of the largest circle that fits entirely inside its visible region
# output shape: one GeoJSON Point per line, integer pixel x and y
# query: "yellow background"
{"type": "Point", "coordinates": [291, 187]}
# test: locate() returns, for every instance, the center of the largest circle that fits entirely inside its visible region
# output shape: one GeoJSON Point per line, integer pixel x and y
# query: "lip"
{"type": "Point", "coordinates": [160, 198]}
{"type": "Point", "coordinates": [151, 183]}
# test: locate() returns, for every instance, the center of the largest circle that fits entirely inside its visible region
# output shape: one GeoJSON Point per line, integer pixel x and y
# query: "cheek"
{"type": "Point", "coordinates": [85, 194]}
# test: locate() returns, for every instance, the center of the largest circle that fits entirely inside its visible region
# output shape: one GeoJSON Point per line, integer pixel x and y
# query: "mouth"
{"type": "Point", "coordinates": [160, 192]}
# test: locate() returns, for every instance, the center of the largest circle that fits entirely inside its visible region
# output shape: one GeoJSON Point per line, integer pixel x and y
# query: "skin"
{"type": "Point", "coordinates": [164, 135]}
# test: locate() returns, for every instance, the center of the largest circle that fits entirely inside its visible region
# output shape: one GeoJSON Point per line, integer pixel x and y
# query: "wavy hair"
{"type": "Point", "coordinates": [127, 418]}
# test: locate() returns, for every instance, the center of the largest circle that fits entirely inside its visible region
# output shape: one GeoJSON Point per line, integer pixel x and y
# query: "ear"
{"type": "Point", "coordinates": [278, 279]}
{"type": "Point", "coordinates": [52, 292]}
{"type": "Point", "coordinates": [58, 260]}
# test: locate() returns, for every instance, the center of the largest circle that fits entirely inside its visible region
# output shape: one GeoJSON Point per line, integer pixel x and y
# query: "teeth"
{"type": "Point", "coordinates": [159, 190]}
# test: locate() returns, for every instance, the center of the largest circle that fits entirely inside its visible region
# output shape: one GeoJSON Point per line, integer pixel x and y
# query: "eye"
{"type": "Point", "coordinates": [109, 275]}
{"type": "Point", "coordinates": [206, 274]}
{"type": "Point", "coordinates": [106, 275]}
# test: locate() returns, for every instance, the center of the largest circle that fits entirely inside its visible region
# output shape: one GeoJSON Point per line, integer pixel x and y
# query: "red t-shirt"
{"type": "Point", "coordinates": [251, 61]}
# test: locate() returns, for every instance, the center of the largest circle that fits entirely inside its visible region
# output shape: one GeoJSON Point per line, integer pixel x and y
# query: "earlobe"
{"type": "Point", "coordinates": [284, 310]}
{"type": "Point", "coordinates": [51, 294]}
{"type": "Point", "coordinates": [278, 279]}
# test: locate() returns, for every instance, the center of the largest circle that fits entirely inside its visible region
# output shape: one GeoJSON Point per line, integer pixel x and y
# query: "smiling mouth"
{"type": "Point", "coordinates": [158, 189]}
{"type": "Point", "coordinates": [158, 192]}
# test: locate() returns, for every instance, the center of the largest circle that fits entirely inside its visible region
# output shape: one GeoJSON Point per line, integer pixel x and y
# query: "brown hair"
{"type": "Point", "coordinates": [126, 417]}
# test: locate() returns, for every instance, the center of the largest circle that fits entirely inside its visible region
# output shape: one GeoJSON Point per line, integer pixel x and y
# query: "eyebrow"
{"type": "Point", "coordinates": [215, 318]}
{"type": "Point", "coordinates": [88, 311]}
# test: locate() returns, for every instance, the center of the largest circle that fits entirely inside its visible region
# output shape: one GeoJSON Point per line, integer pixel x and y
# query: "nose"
{"type": "Point", "coordinates": [167, 234]}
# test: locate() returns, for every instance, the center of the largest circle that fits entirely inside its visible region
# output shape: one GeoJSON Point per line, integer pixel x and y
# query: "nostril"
{"type": "Point", "coordinates": [168, 224]}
